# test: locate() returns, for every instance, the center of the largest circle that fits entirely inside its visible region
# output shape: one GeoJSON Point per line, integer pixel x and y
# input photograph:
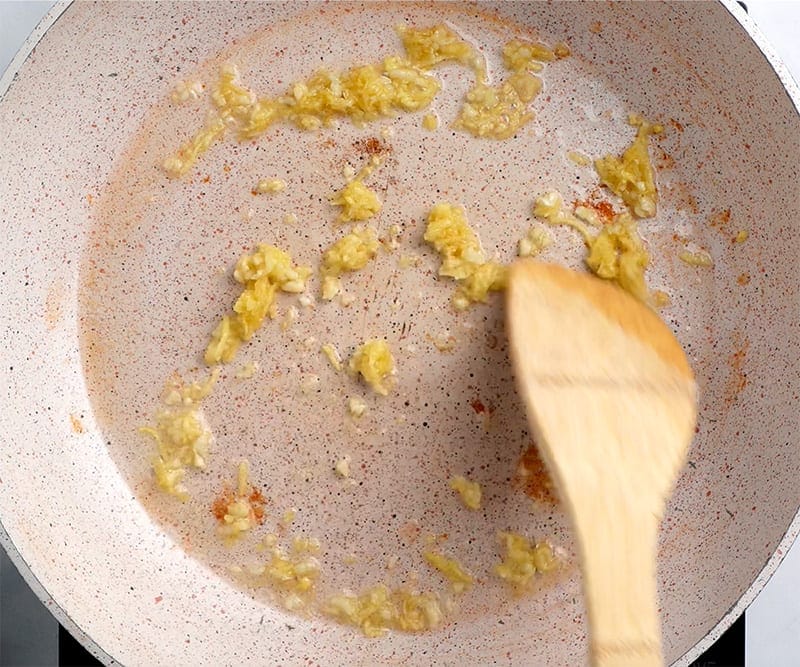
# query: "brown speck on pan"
{"type": "Point", "coordinates": [737, 380]}
{"type": "Point", "coordinates": [532, 477]}
{"type": "Point", "coordinates": [372, 146]}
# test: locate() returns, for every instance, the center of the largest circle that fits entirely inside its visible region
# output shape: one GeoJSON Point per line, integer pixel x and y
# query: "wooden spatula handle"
{"type": "Point", "coordinates": [619, 557]}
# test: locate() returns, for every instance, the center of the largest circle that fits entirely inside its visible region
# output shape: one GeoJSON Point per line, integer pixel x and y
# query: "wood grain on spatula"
{"type": "Point", "coordinates": [611, 401]}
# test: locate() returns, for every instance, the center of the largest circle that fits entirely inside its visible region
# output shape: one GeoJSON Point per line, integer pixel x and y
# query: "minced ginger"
{"type": "Point", "coordinates": [180, 433]}
{"type": "Point", "coordinates": [631, 176]}
{"type": "Point", "coordinates": [462, 256]}
{"type": "Point", "coordinates": [374, 361]}
{"type": "Point", "coordinates": [262, 273]}
{"type": "Point", "coordinates": [352, 252]}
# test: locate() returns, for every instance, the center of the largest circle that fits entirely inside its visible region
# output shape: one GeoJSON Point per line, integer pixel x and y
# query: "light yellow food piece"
{"type": "Point", "coordinates": [374, 361]}
{"type": "Point", "coordinates": [462, 257]}
{"type": "Point", "coordinates": [701, 259]}
{"type": "Point", "coordinates": [356, 406]}
{"type": "Point", "coordinates": [362, 94]}
{"type": "Point", "coordinates": [185, 91]}
{"type": "Point", "coordinates": [617, 253]}
{"type": "Point", "coordinates": [550, 207]}
{"type": "Point", "coordinates": [333, 356]}
{"type": "Point", "coordinates": [269, 186]}
{"type": "Point", "coordinates": [357, 202]}
{"type": "Point", "coordinates": [184, 158]}
{"type": "Point", "coordinates": [262, 273]}
{"type": "Point", "coordinates": [522, 559]}
{"type": "Point", "coordinates": [534, 242]}
{"type": "Point", "coordinates": [180, 433]}
{"type": "Point", "coordinates": [231, 98]}
{"type": "Point", "coordinates": [452, 237]}
{"type": "Point", "coordinates": [579, 158]}
{"type": "Point", "coordinates": [294, 576]}
{"type": "Point", "coordinates": [342, 467]}
{"type": "Point", "coordinates": [247, 371]}
{"type": "Point", "coordinates": [232, 102]}
{"type": "Point", "coordinates": [430, 122]}
{"type": "Point", "coordinates": [631, 176]}
{"type": "Point", "coordinates": [475, 288]}
{"type": "Point", "coordinates": [460, 580]}
{"type": "Point", "coordinates": [469, 492]}
{"type": "Point", "coordinates": [351, 252]}
{"type": "Point", "coordinates": [741, 236]}
{"type": "Point", "coordinates": [290, 318]}
{"type": "Point", "coordinates": [240, 513]}
{"type": "Point", "coordinates": [494, 112]}
{"type": "Point", "coordinates": [378, 609]}
{"type": "Point", "coordinates": [408, 261]}
{"type": "Point", "coordinates": [521, 55]}
{"type": "Point", "coordinates": [426, 47]}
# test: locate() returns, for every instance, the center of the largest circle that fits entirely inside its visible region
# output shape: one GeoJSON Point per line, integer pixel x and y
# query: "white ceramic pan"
{"type": "Point", "coordinates": [112, 277]}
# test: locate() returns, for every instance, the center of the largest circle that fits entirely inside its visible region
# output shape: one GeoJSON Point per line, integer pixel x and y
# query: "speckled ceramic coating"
{"type": "Point", "coordinates": [113, 276]}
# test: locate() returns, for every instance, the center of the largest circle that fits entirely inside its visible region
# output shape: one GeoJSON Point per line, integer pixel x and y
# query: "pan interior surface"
{"type": "Point", "coordinates": [115, 277]}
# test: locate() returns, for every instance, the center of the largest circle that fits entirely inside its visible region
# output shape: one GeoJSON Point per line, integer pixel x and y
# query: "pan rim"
{"type": "Point", "coordinates": [748, 596]}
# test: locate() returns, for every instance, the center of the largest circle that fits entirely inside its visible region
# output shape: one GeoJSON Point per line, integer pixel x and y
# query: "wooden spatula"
{"type": "Point", "coordinates": [611, 401]}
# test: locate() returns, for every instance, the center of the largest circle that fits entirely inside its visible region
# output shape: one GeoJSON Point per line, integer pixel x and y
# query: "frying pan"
{"type": "Point", "coordinates": [113, 276]}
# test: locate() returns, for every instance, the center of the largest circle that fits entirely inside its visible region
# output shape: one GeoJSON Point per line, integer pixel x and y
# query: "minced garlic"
{"type": "Point", "coordinates": [430, 122]}
{"type": "Point", "coordinates": [262, 273]}
{"type": "Point", "coordinates": [616, 253]}
{"type": "Point", "coordinates": [333, 356]}
{"type": "Point", "coordinates": [356, 406]}
{"type": "Point", "coordinates": [357, 202]}
{"type": "Point", "coordinates": [342, 467]}
{"type": "Point", "coordinates": [379, 609]}
{"type": "Point", "coordinates": [426, 47]}
{"type": "Point", "coordinates": [247, 371]}
{"type": "Point", "coordinates": [522, 559]}
{"type": "Point", "coordinates": [631, 176]}
{"type": "Point", "coordinates": [579, 159]}
{"type": "Point", "coordinates": [460, 580]}
{"type": "Point", "coordinates": [269, 186]}
{"type": "Point", "coordinates": [534, 242]}
{"type": "Point", "coordinates": [186, 90]}
{"type": "Point", "coordinates": [349, 253]}
{"type": "Point", "coordinates": [374, 361]}
{"type": "Point", "coordinates": [700, 258]}
{"type": "Point", "coordinates": [741, 236]}
{"type": "Point", "coordinates": [293, 574]}
{"type": "Point", "coordinates": [462, 257]}
{"type": "Point", "coordinates": [241, 510]}
{"type": "Point", "coordinates": [469, 492]}
{"type": "Point", "coordinates": [521, 55]}
{"type": "Point", "coordinates": [180, 433]}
